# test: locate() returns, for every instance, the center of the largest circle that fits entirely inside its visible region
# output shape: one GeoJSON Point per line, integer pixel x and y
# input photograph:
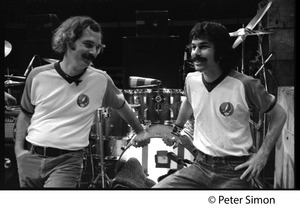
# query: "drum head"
{"type": "Point", "coordinates": [151, 157]}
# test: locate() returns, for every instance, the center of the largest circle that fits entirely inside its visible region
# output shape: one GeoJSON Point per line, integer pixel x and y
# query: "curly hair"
{"type": "Point", "coordinates": [71, 30]}
{"type": "Point", "coordinates": [217, 34]}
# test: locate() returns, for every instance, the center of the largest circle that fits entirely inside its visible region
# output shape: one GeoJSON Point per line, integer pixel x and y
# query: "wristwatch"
{"type": "Point", "coordinates": [176, 130]}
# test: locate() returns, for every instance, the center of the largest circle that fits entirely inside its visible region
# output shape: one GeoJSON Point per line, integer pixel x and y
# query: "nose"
{"type": "Point", "coordinates": [195, 51]}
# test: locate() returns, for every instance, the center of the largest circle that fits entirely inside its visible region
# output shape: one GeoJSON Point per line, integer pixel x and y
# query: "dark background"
{"type": "Point", "coordinates": [28, 26]}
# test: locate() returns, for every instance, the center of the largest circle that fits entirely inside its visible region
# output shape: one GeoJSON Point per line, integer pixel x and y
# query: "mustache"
{"type": "Point", "coordinates": [89, 57]}
{"type": "Point", "coordinates": [198, 58]}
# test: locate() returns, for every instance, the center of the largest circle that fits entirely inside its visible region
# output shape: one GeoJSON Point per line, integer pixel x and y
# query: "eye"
{"type": "Point", "coordinates": [88, 45]}
{"type": "Point", "coordinates": [193, 47]}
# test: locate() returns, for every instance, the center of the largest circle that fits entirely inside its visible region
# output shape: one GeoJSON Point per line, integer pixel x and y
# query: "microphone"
{"type": "Point", "coordinates": [135, 82]}
{"type": "Point", "coordinates": [175, 158]}
{"type": "Point", "coordinates": [29, 67]}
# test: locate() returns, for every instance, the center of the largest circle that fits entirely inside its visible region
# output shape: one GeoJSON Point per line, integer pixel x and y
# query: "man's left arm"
{"type": "Point", "coordinates": [277, 118]}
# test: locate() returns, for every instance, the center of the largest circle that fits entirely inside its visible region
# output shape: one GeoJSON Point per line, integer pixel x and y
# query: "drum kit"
{"type": "Point", "coordinates": [110, 136]}
{"type": "Point", "coordinates": [242, 33]}
{"type": "Point", "coordinates": [156, 108]}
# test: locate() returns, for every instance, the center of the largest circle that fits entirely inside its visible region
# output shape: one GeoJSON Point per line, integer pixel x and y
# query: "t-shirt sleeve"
{"type": "Point", "coordinates": [26, 102]}
{"type": "Point", "coordinates": [258, 98]}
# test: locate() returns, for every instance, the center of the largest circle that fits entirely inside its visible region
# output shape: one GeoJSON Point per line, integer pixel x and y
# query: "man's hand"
{"type": "Point", "coordinates": [172, 140]}
{"type": "Point", "coordinates": [141, 139]}
{"type": "Point", "coordinates": [253, 166]}
{"type": "Point", "coordinates": [20, 152]}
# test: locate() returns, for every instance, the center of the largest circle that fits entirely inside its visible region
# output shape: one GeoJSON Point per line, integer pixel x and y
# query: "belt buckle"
{"type": "Point", "coordinates": [45, 151]}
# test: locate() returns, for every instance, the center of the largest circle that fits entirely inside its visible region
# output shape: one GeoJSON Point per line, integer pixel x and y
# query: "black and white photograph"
{"type": "Point", "coordinates": [149, 96]}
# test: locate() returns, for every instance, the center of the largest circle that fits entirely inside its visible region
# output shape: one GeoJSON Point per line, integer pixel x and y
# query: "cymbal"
{"type": "Point", "coordinates": [7, 48]}
{"type": "Point", "coordinates": [50, 60]}
{"type": "Point", "coordinates": [15, 77]}
{"type": "Point", "coordinates": [10, 83]}
{"type": "Point", "coordinates": [252, 23]}
{"type": "Point", "coordinates": [248, 32]}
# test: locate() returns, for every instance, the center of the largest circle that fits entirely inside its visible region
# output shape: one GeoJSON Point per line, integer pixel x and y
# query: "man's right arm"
{"type": "Point", "coordinates": [185, 113]}
{"type": "Point", "coordinates": [23, 123]}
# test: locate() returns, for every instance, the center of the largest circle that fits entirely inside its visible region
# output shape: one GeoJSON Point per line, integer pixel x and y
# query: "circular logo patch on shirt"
{"type": "Point", "coordinates": [226, 109]}
{"type": "Point", "coordinates": [83, 100]}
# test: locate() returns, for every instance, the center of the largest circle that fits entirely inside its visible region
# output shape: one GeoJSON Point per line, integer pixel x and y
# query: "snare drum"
{"type": "Point", "coordinates": [153, 157]}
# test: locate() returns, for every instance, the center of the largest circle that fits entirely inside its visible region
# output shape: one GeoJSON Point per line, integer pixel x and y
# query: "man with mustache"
{"type": "Point", "coordinates": [58, 108]}
{"type": "Point", "coordinates": [221, 100]}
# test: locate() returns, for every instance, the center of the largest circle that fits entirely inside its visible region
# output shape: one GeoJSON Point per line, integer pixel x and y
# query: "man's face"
{"type": "Point", "coordinates": [87, 47]}
{"type": "Point", "coordinates": [202, 54]}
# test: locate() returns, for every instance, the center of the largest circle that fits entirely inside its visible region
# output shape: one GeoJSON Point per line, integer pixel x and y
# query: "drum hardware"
{"type": "Point", "coordinates": [154, 105]}
{"type": "Point", "coordinates": [9, 83]}
{"type": "Point", "coordinates": [15, 77]}
{"type": "Point", "coordinates": [101, 113]}
{"type": "Point", "coordinates": [248, 30]}
{"type": "Point", "coordinates": [263, 65]}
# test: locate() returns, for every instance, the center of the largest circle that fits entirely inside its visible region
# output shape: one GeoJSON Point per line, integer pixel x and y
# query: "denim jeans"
{"type": "Point", "coordinates": [207, 175]}
{"type": "Point", "coordinates": [39, 172]}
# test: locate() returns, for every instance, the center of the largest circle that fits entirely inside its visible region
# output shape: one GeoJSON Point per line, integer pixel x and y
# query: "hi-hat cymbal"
{"type": "Point", "coordinates": [7, 48]}
{"type": "Point", "coordinates": [252, 24]}
{"type": "Point", "coordinates": [50, 60]}
{"type": "Point", "coordinates": [10, 83]}
{"type": "Point", "coordinates": [249, 32]}
{"type": "Point", "coordinates": [15, 77]}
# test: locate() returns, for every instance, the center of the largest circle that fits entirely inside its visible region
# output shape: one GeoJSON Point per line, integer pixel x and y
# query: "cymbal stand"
{"type": "Point", "coordinates": [8, 88]}
{"type": "Point", "coordinates": [263, 119]}
{"type": "Point", "coordinates": [101, 113]}
{"type": "Point", "coordinates": [243, 53]}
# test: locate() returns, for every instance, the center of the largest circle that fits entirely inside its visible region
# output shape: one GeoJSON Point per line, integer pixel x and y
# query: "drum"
{"type": "Point", "coordinates": [11, 115]}
{"type": "Point", "coordinates": [114, 125]}
{"type": "Point", "coordinates": [153, 157]}
{"type": "Point", "coordinates": [137, 99]}
{"type": "Point", "coordinates": [113, 146]}
{"type": "Point", "coordinates": [155, 106]}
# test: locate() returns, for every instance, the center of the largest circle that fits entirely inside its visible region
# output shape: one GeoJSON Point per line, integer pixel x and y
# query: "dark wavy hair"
{"type": "Point", "coordinates": [71, 30]}
{"type": "Point", "coordinates": [218, 35]}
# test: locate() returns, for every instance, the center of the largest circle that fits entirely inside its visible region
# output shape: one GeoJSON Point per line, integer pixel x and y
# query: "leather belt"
{"type": "Point", "coordinates": [47, 151]}
{"type": "Point", "coordinates": [218, 159]}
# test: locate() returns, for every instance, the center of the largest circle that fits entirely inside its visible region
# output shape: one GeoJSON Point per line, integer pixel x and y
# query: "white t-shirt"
{"type": "Point", "coordinates": [63, 112]}
{"type": "Point", "coordinates": [222, 111]}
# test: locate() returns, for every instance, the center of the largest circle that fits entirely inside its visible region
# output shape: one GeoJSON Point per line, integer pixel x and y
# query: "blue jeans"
{"type": "Point", "coordinates": [203, 174]}
{"type": "Point", "coordinates": [39, 172]}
